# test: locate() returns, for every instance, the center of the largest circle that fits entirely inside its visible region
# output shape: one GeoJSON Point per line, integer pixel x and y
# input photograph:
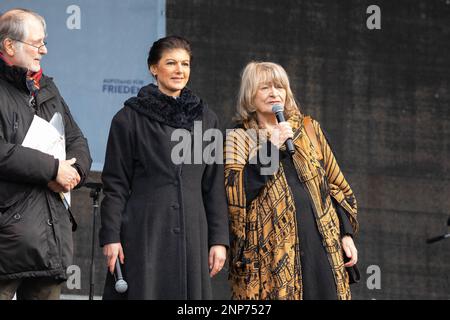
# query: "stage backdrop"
{"type": "Point", "coordinates": [97, 53]}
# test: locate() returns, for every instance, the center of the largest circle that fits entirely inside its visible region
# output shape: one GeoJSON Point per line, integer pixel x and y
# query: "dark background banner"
{"type": "Point", "coordinates": [383, 97]}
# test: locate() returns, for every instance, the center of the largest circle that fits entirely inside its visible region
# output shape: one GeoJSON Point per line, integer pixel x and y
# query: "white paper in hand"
{"type": "Point", "coordinates": [48, 137]}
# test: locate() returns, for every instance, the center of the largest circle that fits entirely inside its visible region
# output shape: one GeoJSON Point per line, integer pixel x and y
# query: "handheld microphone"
{"type": "Point", "coordinates": [121, 285]}
{"type": "Point", "coordinates": [278, 110]}
{"type": "Point", "coordinates": [438, 238]}
{"type": "Point", "coordinates": [442, 237]}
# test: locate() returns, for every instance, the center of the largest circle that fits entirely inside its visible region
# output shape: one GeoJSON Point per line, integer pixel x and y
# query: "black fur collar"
{"type": "Point", "coordinates": [17, 76]}
{"type": "Point", "coordinates": [177, 113]}
{"type": "Point", "coordinates": [13, 74]}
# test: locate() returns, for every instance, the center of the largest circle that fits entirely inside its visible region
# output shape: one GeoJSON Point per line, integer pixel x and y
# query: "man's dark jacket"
{"type": "Point", "coordinates": [35, 227]}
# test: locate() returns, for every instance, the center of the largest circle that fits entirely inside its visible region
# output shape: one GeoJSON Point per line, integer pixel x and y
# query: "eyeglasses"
{"type": "Point", "coordinates": [37, 47]}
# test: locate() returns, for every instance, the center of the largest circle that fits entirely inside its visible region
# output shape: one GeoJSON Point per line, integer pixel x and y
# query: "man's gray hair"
{"type": "Point", "coordinates": [12, 24]}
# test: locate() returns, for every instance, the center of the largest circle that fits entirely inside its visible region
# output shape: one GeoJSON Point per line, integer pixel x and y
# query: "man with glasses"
{"type": "Point", "coordinates": [35, 227]}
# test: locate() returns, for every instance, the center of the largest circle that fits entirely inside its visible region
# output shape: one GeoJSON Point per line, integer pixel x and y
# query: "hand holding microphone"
{"type": "Point", "coordinates": [121, 285]}
{"type": "Point", "coordinates": [114, 253]}
{"type": "Point", "coordinates": [285, 133]}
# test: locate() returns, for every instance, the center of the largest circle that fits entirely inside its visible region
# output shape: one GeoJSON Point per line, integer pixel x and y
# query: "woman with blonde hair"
{"type": "Point", "coordinates": [292, 227]}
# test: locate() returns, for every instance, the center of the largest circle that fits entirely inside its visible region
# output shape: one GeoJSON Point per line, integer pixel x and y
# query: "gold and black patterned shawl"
{"type": "Point", "coordinates": [264, 253]}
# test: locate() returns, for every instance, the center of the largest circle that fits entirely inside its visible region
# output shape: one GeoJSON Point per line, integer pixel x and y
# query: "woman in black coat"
{"type": "Point", "coordinates": [166, 221]}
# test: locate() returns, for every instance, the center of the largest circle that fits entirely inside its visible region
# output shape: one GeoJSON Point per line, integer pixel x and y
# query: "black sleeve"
{"type": "Point", "coordinates": [116, 177]}
{"type": "Point", "coordinates": [25, 165]}
{"type": "Point", "coordinates": [55, 170]}
{"type": "Point", "coordinates": [214, 199]}
{"type": "Point", "coordinates": [344, 221]}
{"type": "Point", "coordinates": [76, 145]}
{"type": "Point", "coordinates": [255, 177]}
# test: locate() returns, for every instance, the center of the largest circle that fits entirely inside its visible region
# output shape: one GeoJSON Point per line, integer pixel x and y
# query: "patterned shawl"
{"type": "Point", "coordinates": [265, 259]}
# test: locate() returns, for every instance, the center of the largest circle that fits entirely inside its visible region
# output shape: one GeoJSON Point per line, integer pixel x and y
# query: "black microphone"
{"type": "Point", "coordinates": [121, 285]}
{"type": "Point", "coordinates": [442, 237]}
{"type": "Point", "coordinates": [278, 110]}
{"type": "Point", "coordinates": [438, 238]}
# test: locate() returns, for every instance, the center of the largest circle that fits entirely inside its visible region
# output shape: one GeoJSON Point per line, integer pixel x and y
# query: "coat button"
{"type": "Point", "coordinates": [175, 206]}
{"type": "Point", "coordinates": [17, 216]}
{"type": "Point", "coordinates": [176, 230]}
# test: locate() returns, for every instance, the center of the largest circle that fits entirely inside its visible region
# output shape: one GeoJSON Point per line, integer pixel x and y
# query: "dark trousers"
{"type": "Point", "coordinates": [45, 288]}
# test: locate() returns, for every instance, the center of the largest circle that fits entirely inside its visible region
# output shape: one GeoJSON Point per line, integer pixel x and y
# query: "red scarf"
{"type": "Point", "coordinates": [33, 78]}
{"type": "Point", "coordinates": [33, 81]}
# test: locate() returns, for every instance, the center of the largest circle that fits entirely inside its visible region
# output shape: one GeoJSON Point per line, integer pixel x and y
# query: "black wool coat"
{"type": "Point", "coordinates": [165, 215]}
{"type": "Point", "coordinates": [35, 229]}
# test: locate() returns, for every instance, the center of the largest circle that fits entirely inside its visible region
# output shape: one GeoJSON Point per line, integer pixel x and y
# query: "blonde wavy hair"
{"type": "Point", "coordinates": [253, 75]}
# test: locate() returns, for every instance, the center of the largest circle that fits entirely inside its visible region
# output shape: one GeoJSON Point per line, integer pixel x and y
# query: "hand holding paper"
{"type": "Point", "coordinates": [67, 177]}
{"type": "Point", "coordinates": [49, 137]}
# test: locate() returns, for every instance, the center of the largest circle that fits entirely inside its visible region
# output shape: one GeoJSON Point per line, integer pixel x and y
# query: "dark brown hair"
{"type": "Point", "coordinates": [164, 44]}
